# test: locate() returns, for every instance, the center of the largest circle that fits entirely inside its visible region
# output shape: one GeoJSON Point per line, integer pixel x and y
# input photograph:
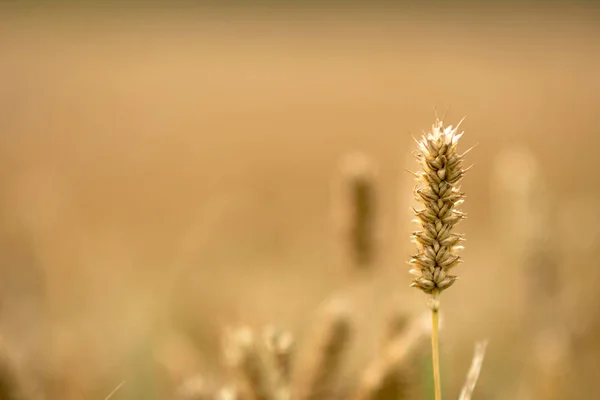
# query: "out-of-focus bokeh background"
{"type": "Point", "coordinates": [168, 171]}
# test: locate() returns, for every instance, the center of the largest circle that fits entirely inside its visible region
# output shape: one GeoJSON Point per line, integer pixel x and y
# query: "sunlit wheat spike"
{"type": "Point", "coordinates": [280, 345]}
{"type": "Point", "coordinates": [441, 169]}
{"type": "Point", "coordinates": [331, 344]}
{"type": "Point", "coordinates": [243, 356]}
{"type": "Point", "coordinates": [358, 208]}
{"type": "Point", "coordinates": [474, 371]}
{"type": "Point", "coordinates": [390, 376]}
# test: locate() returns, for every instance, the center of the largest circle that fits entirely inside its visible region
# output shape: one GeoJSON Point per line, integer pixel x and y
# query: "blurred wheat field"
{"type": "Point", "coordinates": [171, 169]}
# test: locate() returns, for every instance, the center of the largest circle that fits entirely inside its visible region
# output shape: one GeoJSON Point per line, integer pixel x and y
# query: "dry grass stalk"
{"type": "Point", "coordinates": [115, 390]}
{"type": "Point", "coordinates": [474, 371]}
{"type": "Point", "coordinates": [326, 356]}
{"type": "Point", "coordinates": [359, 209]}
{"type": "Point", "coordinates": [437, 189]}
{"type": "Point", "coordinates": [390, 375]}
{"type": "Point", "coordinates": [256, 376]}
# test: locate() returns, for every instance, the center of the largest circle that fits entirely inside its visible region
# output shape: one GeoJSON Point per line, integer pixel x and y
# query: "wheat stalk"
{"type": "Point", "coordinates": [437, 244]}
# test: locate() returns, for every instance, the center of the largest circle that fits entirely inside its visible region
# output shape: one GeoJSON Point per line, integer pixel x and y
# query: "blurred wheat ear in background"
{"type": "Point", "coordinates": [355, 203]}
{"type": "Point", "coordinates": [528, 227]}
{"type": "Point", "coordinates": [254, 373]}
{"type": "Point", "coordinates": [526, 221]}
{"type": "Point", "coordinates": [329, 346]}
{"type": "Point", "coordinates": [392, 375]}
{"type": "Point", "coordinates": [280, 346]}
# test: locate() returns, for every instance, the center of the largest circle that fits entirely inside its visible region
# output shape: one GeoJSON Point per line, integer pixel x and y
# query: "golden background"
{"type": "Point", "coordinates": [167, 171]}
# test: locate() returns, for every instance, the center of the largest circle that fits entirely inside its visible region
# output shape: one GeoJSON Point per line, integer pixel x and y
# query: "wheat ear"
{"type": "Point", "coordinates": [280, 345]}
{"type": "Point", "coordinates": [244, 357]}
{"type": "Point", "coordinates": [332, 339]}
{"type": "Point", "coordinates": [358, 200]}
{"type": "Point", "coordinates": [437, 189]}
{"type": "Point", "coordinates": [388, 376]}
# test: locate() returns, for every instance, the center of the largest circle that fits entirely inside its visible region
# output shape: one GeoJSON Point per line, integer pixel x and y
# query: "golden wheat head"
{"type": "Point", "coordinates": [437, 189]}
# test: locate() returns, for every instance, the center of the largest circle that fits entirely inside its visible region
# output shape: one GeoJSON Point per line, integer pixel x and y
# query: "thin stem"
{"type": "Point", "coordinates": [435, 348]}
